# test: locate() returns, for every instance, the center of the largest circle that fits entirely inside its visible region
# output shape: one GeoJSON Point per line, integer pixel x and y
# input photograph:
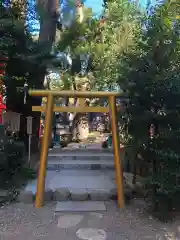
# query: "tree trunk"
{"type": "Point", "coordinates": [48, 12]}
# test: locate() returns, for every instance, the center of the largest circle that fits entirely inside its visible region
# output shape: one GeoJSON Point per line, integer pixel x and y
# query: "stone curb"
{"type": "Point", "coordinates": [65, 194]}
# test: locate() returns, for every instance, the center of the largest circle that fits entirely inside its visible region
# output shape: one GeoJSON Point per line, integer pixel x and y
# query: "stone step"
{"type": "Point", "coordinates": [80, 157]}
{"type": "Point", "coordinates": [96, 164]}
{"type": "Point", "coordinates": [80, 151]}
{"type": "Point", "coordinates": [75, 185]}
{"type": "Point", "coordinates": [79, 206]}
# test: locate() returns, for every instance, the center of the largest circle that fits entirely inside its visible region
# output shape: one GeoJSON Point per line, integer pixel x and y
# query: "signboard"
{"type": "Point", "coordinates": [12, 120]}
{"type": "Point", "coordinates": [29, 132]}
{"type": "Point", "coordinates": [29, 125]}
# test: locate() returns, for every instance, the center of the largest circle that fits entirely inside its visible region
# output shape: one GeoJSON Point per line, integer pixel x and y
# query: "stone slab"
{"type": "Point", "coordinates": [76, 179]}
{"type": "Point", "coordinates": [86, 206]}
{"type": "Point", "coordinates": [81, 182]}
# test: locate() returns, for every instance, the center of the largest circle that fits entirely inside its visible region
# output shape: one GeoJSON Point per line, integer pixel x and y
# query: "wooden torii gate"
{"type": "Point", "coordinates": [50, 108]}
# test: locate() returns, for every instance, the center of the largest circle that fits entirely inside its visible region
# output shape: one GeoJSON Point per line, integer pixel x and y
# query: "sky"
{"type": "Point", "coordinates": [96, 5]}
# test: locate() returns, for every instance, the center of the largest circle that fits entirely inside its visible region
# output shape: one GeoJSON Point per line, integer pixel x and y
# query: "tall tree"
{"type": "Point", "coordinates": [17, 43]}
{"type": "Point", "coordinates": [151, 76]}
{"type": "Point", "coordinates": [102, 41]}
{"type": "Point", "coordinates": [48, 11]}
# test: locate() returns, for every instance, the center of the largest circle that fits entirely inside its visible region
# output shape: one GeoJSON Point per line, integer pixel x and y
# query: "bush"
{"type": "Point", "coordinates": [13, 170]}
{"type": "Point", "coordinates": [163, 181]}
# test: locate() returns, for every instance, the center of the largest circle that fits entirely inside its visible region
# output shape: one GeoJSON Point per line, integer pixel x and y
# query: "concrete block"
{"type": "Point", "coordinates": [4, 193]}
{"type": "Point", "coordinates": [79, 194]}
{"type": "Point", "coordinates": [48, 195]}
{"type": "Point", "coordinates": [4, 196]}
{"type": "Point", "coordinates": [99, 195]}
{"type": "Point", "coordinates": [113, 193]}
{"type": "Point", "coordinates": [127, 192]}
{"type": "Point", "coordinates": [26, 196]}
{"type": "Point", "coordinates": [61, 194]}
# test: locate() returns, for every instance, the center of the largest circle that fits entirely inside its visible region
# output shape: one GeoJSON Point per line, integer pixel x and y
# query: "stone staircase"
{"type": "Point", "coordinates": [89, 159]}
{"type": "Point", "coordinates": [85, 173]}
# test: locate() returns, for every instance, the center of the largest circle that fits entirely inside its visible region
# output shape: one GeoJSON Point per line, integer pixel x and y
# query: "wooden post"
{"type": "Point", "coordinates": [44, 152]}
{"type": "Point", "coordinates": [116, 146]}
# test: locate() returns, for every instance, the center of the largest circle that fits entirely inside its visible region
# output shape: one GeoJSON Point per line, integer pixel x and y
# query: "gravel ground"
{"type": "Point", "coordinates": [24, 222]}
{"type": "Point", "coordinates": [20, 221]}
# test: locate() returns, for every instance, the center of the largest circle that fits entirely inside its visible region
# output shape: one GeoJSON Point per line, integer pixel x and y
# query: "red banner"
{"type": "Point", "coordinates": [3, 64]}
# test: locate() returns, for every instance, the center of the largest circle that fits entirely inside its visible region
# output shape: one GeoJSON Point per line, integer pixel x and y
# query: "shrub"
{"type": "Point", "coordinates": [13, 169]}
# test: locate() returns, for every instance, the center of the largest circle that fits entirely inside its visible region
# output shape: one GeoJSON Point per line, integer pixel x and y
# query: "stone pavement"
{"type": "Point", "coordinates": [20, 221]}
